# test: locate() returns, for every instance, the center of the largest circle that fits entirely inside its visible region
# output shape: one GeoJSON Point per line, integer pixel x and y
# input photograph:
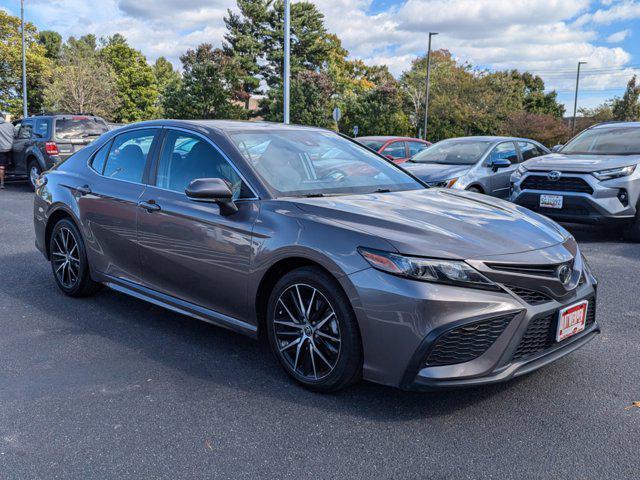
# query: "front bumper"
{"type": "Point", "coordinates": [401, 320]}
{"type": "Point", "coordinates": [603, 206]}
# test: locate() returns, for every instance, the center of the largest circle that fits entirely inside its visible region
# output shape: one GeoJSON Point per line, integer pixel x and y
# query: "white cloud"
{"type": "Point", "coordinates": [545, 36]}
{"type": "Point", "coordinates": [618, 36]}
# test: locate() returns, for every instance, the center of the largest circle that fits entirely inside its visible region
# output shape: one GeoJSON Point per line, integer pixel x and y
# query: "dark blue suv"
{"type": "Point", "coordinates": [42, 141]}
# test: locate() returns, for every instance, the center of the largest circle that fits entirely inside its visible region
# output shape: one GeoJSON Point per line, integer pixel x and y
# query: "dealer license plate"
{"type": "Point", "coordinates": [572, 320]}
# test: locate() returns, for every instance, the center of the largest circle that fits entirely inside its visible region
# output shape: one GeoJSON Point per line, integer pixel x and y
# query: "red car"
{"type": "Point", "coordinates": [398, 149]}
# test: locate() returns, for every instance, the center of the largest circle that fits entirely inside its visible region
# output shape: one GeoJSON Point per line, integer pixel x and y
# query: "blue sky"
{"type": "Point", "coordinates": [547, 37]}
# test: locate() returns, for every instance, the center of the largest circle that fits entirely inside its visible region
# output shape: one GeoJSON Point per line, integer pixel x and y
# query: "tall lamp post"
{"type": "Point", "coordinates": [426, 100]}
{"type": "Point", "coordinates": [287, 54]}
{"type": "Point", "coordinates": [24, 64]}
{"type": "Point", "coordinates": [575, 102]}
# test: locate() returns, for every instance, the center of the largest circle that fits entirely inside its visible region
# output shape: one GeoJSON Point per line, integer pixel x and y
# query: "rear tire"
{"type": "Point", "coordinates": [69, 263]}
{"type": "Point", "coordinates": [34, 171]}
{"type": "Point", "coordinates": [318, 344]}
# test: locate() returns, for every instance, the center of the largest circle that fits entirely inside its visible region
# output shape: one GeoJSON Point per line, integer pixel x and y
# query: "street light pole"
{"type": "Point", "coordinates": [24, 64]}
{"type": "Point", "coordinates": [426, 100]}
{"type": "Point", "coordinates": [287, 54]}
{"type": "Point", "coordinates": [575, 102]}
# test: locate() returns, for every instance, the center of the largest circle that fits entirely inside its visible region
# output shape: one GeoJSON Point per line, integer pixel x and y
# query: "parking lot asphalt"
{"type": "Point", "coordinates": [111, 387]}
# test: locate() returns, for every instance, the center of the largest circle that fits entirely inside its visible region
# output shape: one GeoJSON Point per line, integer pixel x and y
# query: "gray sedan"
{"type": "Point", "coordinates": [349, 266]}
{"type": "Point", "coordinates": [479, 164]}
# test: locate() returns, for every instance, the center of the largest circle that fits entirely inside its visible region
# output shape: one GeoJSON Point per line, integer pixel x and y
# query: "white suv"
{"type": "Point", "coordinates": [592, 179]}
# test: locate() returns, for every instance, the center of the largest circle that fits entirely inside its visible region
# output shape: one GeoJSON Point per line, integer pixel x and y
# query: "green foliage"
{"type": "Point", "coordinates": [167, 79]}
{"type": "Point", "coordinates": [38, 66]}
{"type": "Point", "coordinates": [310, 100]}
{"type": "Point", "coordinates": [52, 43]}
{"type": "Point", "coordinates": [136, 83]}
{"type": "Point", "coordinates": [82, 82]}
{"type": "Point", "coordinates": [209, 86]}
{"type": "Point", "coordinates": [627, 108]}
{"type": "Point", "coordinates": [546, 129]}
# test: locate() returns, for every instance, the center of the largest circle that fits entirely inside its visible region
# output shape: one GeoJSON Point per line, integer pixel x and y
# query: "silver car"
{"type": "Point", "coordinates": [593, 179]}
{"type": "Point", "coordinates": [478, 164]}
{"type": "Point", "coordinates": [348, 265]}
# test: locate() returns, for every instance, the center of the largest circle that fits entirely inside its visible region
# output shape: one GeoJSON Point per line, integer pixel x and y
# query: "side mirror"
{"type": "Point", "coordinates": [212, 190]}
{"type": "Point", "coordinates": [498, 163]}
{"type": "Point", "coordinates": [556, 148]}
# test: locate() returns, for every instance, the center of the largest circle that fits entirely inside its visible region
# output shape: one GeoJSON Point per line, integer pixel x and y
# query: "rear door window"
{"type": "Point", "coordinates": [530, 150]}
{"type": "Point", "coordinates": [395, 150]}
{"type": "Point", "coordinates": [42, 127]}
{"type": "Point", "coordinates": [68, 128]}
{"type": "Point", "coordinates": [128, 155]}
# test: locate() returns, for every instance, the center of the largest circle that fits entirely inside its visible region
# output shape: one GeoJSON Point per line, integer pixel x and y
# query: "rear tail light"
{"type": "Point", "coordinates": [51, 148]}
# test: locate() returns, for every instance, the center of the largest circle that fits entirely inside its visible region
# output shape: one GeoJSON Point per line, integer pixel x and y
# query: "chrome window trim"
{"type": "Point", "coordinates": [218, 149]}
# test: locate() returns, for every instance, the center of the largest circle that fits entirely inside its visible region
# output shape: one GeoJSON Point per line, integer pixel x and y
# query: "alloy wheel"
{"type": "Point", "coordinates": [65, 256]}
{"type": "Point", "coordinates": [307, 331]}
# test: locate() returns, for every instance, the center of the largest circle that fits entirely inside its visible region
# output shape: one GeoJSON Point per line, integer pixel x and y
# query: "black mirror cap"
{"type": "Point", "coordinates": [214, 190]}
{"type": "Point", "coordinates": [500, 163]}
{"type": "Point", "coordinates": [557, 148]}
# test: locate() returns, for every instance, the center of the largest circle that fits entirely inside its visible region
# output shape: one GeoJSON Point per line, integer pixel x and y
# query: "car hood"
{"type": "Point", "coordinates": [580, 163]}
{"type": "Point", "coordinates": [439, 223]}
{"type": "Point", "coordinates": [433, 172]}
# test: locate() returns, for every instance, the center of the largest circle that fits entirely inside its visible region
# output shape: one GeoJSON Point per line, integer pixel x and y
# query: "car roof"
{"type": "Point", "coordinates": [386, 138]}
{"type": "Point", "coordinates": [617, 125]}
{"type": "Point", "coordinates": [491, 138]}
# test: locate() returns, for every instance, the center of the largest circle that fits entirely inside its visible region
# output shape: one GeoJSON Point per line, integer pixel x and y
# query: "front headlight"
{"type": "Point", "coordinates": [452, 272]}
{"type": "Point", "coordinates": [614, 172]}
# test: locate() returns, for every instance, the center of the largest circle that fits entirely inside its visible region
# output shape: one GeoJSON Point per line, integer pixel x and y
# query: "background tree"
{"type": "Point", "coordinates": [82, 83]}
{"type": "Point", "coordinates": [167, 79]}
{"type": "Point", "coordinates": [209, 87]}
{"type": "Point", "coordinates": [52, 43]}
{"type": "Point", "coordinates": [546, 129]}
{"type": "Point", "coordinates": [38, 66]}
{"type": "Point", "coordinates": [627, 108]}
{"type": "Point", "coordinates": [137, 89]}
{"type": "Point", "coordinates": [310, 100]}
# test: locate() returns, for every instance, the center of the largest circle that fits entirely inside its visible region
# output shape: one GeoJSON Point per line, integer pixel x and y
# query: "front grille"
{"type": "Point", "coordinates": [541, 333]}
{"type": "Point", "coordinates": [563, 184]}
{"type": "Point", "coordinates": [532, 297]}
{"type": "Point", "coordinates": [468, 342]}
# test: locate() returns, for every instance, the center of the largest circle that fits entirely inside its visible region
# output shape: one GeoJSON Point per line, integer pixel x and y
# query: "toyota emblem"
{"type": "Point", "coordinates": [554, 176]}
{"type": "Point", "coordinates": [564, 274]}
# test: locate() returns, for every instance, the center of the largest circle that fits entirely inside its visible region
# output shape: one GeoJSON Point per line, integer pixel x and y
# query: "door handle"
{"type": "Point", "coordinates": [83, 190]}
{"type": "Point", "coordinates": [150, 206]}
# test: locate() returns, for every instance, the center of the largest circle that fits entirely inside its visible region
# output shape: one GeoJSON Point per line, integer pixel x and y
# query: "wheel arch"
{"type": "Point", "coordinates": [271, 276]}
{"type": "Point", "coordinates": [53, 218]}
{"type": "Point", "coordinates": [477, 186]}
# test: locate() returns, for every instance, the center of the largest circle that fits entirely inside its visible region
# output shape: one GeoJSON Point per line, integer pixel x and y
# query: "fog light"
{"type": "Point", "coordinates": [623, 196]}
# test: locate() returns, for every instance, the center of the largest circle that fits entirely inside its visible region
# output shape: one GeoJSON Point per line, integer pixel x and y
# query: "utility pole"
{"type": "Point", "coordinates": [24, 64]}
{"type": "Point", "coordinates": [287, 59]}
{"type": "Point", "coordinates": [575, 102]}
{"type": "Point", "coordinates": [426, 100]}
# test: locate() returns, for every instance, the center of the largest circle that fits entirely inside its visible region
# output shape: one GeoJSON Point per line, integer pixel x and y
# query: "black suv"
{"type": "Point", "coordinates": [45, 140]}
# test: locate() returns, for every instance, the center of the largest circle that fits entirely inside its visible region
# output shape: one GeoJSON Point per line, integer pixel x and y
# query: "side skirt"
{"type": "Point", "coordinates": [180, 306]}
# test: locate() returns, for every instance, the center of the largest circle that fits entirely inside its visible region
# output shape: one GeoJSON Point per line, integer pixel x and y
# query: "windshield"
{"type": "Point", "coordinates": [453, 152]}
{"type": "Point", "coordinates": [79, 127]}
{"type": "Point", "coordinates": [313, 163]}
{"type": "Point", "coordinates": [372, 144]}
{"type": "Point", "coordinates": [605, 141]}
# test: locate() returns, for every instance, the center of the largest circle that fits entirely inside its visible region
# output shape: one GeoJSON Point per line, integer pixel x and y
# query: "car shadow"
{"type": "Point", "coordinates": [595, 233]}
{"type": "Point", "coordinates": [208, 353]}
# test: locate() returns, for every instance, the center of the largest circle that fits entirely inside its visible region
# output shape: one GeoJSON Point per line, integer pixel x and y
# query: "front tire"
{"type": "Point", "coordinates": [474, 189]}
{"type": "Point", "coordinates": [313, 332]}
{"type": "Point", "coordinates": [69, 263]}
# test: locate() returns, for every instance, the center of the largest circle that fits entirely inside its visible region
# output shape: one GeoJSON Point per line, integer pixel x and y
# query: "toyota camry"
{"type": "Point", "coordinates": [349, 266]}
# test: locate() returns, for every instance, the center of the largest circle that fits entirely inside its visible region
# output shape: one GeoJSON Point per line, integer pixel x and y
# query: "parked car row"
{"type": "Point", "coordinates": [345, 262]}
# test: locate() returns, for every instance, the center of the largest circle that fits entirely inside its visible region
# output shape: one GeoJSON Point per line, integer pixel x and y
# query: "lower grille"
{"type": "Point", "coordinates": [541, 333]}
{"type": "Point", "coordinates": [532, 297]}
{"type": "Point", "coordinates": [468, 342]}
